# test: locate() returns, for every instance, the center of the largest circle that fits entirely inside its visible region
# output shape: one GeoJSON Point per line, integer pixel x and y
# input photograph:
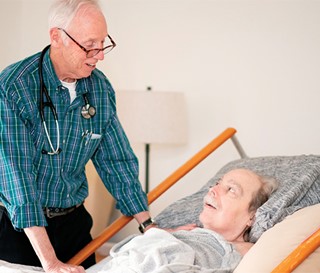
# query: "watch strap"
{"type": "Point", "coordinates": [145, 224]}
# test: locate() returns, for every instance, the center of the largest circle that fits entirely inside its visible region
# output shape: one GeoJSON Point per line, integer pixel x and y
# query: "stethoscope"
{"type": "Point", "coordinates": [87, 111]}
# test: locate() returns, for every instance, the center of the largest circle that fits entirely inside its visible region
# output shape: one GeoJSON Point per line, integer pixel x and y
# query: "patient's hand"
{"type": "Point", "coordinates": [186, 227]}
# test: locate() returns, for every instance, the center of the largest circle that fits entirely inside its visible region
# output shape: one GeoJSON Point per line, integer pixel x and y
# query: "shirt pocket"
{"type": "Point", "coordinates": [90, 142]}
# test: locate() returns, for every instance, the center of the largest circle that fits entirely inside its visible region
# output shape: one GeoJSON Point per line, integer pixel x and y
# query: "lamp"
{"type": "Point", "coordinates": [153, 117]}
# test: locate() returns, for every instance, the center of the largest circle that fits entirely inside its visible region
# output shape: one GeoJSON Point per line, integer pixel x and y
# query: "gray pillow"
{"type": "Point", "coordinates": [299, 178]}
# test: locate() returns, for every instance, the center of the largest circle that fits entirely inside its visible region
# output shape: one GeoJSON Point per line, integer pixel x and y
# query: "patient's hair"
{"type": "Point", "coordinates": [62, 12]}
{"type": "Point", "coordinates": [269, 185]}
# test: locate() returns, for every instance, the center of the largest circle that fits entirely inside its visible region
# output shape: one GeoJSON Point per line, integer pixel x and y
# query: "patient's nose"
{"type": "Point", "coordinates": [214, 190]}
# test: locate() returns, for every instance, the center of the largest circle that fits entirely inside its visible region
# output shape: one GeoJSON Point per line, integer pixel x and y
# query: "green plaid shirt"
{"type": "Point", "coordinates": [31, 180]}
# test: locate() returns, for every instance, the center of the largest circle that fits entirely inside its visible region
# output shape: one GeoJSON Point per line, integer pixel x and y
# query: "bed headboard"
{"type": "Point", "coordinates": [299, 178]}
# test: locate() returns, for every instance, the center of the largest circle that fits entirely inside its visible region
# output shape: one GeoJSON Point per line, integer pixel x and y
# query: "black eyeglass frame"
{"type": "Point", "coordinates": [94, 51]}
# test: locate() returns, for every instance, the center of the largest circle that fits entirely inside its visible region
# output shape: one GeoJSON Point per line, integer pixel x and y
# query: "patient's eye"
{"type": "Point", "coordinates": [216, 183]}
{"type": "Point", "coordinates": [233, 189]}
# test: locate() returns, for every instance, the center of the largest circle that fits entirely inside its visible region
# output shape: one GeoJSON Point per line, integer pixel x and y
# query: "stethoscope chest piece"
{"type": "Point", "coordinates": [88, 111]}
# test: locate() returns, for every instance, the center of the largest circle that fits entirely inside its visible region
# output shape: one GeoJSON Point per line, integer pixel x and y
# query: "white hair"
{"type": "Point", "coordinates": [63, 11]}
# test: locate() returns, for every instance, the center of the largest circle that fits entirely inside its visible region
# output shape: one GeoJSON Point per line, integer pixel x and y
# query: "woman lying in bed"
{"type": "Point", "coordinates": [227, 215]}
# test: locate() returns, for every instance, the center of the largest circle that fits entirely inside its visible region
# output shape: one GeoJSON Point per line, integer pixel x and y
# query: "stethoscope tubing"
{"type": "Point", "coordinates": [49, 103]}
{"type": "Point", "coordinates": [87, 111]}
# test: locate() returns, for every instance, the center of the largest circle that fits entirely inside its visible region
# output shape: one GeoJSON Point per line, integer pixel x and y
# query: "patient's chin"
{"type": "Point", "coordinates": [203, 218]}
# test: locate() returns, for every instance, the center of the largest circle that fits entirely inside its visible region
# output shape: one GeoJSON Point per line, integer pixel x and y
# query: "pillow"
{"type": "Point", "coordinates": [299, 179]}
{"type": "Point", "coordinates": [278, 242]}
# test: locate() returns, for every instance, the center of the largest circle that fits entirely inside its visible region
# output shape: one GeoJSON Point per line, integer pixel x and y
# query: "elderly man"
{"type": "Point", "coordinates": [57, 112]}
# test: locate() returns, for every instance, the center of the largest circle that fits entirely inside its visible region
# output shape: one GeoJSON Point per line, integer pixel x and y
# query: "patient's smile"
{"type": "Point", "coordinates": [210, 202]}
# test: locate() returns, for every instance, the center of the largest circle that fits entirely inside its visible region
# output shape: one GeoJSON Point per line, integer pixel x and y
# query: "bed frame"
{"type": "Point", "coordinates": [287, 265]}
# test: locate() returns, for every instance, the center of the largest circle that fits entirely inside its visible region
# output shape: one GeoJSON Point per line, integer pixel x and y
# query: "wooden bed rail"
{"type": "Point", "coordinates": [298, 255]}
{"type": "Point", "coordinates": [153, 195]}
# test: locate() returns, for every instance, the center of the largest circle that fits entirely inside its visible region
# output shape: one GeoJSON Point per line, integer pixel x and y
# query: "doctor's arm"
{"type": "Point", "coordinates": [17, 190]}
{"type": "Point", "coordinates": [42, 246]}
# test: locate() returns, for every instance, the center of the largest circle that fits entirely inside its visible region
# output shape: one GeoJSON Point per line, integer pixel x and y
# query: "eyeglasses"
{"type": "Point", "coordinates": [93, 52]}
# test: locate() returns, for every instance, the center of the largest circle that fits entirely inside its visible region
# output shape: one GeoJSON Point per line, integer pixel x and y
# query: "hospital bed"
{"type": "Point", "coordinates": [286, 232]}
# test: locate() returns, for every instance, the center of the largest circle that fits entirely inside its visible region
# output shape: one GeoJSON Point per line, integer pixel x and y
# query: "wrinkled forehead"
{"type": "Point", "coordinates": [244, 178]}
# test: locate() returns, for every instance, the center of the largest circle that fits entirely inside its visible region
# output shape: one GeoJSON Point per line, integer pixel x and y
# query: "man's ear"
{"type": "Point", "coordinates": [55, 37]}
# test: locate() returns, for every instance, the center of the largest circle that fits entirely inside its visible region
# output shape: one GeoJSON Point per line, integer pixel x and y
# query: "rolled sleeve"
{"type": "Point", "coordinates": [26, 215]}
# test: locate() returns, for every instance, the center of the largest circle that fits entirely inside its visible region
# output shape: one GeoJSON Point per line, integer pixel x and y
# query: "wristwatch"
{"type": "Point", "coordinates": [145, 224]}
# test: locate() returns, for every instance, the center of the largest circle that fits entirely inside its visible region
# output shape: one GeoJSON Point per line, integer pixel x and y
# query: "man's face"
{"type": "Point", "coordinates": [89, 29]}
{"type": "Point", "coordinates": [226, 205]}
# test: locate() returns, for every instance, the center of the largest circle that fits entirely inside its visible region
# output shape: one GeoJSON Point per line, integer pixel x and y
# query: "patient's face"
{"type": "Point", "coordinates": [226, 205]}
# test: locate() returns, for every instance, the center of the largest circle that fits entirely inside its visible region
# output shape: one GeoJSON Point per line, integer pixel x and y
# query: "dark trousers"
{"type": "Point", "coordinates": [68, 235]}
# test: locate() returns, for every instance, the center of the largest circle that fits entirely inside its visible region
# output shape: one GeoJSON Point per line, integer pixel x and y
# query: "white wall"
{"type": "Point", "coordinates": [252, 65]}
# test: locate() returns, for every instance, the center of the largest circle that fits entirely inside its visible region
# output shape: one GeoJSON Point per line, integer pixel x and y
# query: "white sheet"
{"type": "Point", "coordinates": [6, 267]}
{"type": "Point", "coordinates": [158, 251]}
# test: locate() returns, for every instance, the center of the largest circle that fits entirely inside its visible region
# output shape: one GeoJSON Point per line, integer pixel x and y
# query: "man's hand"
{"type": "Point", "coordinates": [60, 267]}
{"type": "Point", "coordinates": [41, 244]}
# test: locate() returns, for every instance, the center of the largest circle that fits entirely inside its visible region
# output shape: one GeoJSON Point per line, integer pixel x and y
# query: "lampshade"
{"type": "Point", "coordinates": [153, 116]}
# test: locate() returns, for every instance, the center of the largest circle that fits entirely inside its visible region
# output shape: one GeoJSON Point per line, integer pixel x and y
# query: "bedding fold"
{"type": "Point", "coordinates": [159, 251]}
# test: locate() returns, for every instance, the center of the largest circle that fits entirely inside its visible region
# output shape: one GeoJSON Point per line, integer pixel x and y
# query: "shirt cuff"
{"type": "Point", "coordinates": [26, 215]}
{"type": "Point", "coordinates": [135, 204]}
